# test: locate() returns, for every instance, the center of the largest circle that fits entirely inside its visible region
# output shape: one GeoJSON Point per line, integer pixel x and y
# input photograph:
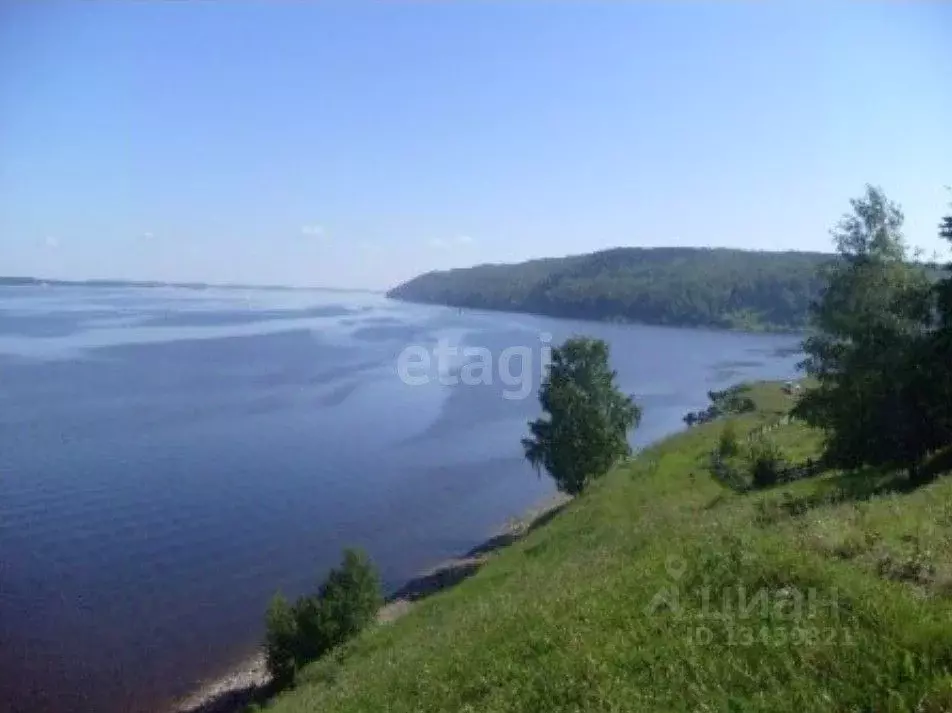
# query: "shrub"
{"type": "Point", "coordinates": [728, 465]}
{"type": "Point", "coordinates": [346, 603]}
{"type": "Point", "coordinates": [766, 462]}
{"type": "Point", "coordinates": [315, 630]}
{"type": "Point", "coordinates": [728, 445]}
{"type": "Point", "coordinates": [351, 596]}
{"type": "Point", "coordinates": [723, 403]}
{"type": "Point", "coordinates": [730, 472]}
{"type": "Point", "coordinates": [281, 639]}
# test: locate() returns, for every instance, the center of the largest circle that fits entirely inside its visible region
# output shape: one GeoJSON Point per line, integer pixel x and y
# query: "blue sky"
{"type": "Point", "coordinates": [356, 145]}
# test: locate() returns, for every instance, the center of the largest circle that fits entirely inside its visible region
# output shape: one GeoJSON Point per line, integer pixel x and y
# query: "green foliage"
{"type": "Point", "coordinates": [346, 603]}
{"type": "Point", "coordinates": [315, 630]}
{"type": "Point", "coordinates": [939, 358]}
{"type": "Point", "coordinates": [728, 445]}
{"type": "Point", "coordinates": [677, 286]}
{"type": "Point", "coordinates": [733, 400]}
{"type": "Point", "coordinates": [765, 462]}
{"type": "Point", "coordinates": [731, 472]}
{"type": "Point", "coordinates": [872, 342]}
{"type": "Point", "coordinates": [350, 597]}
{"type": "Point", "coordinates": [587, 419]}
{"type": "Point", "coordinates": [728, 463]}
{"type": "Point", "coordinates": [281, 637]}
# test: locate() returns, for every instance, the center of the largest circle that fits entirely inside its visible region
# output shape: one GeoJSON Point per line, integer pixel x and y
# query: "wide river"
{"type": "Point", "coordinates": [169, 458]}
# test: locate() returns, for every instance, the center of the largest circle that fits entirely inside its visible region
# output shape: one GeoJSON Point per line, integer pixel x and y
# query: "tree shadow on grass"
{"type": "Point", "coordinates": [870, 482]}
{"type": "Point", "coordinates": [858, 485]}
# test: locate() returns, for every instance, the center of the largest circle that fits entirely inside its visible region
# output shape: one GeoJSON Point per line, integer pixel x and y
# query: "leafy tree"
{"type": "Point", "coordinates": [281, 637]}
{"type": "Point", "coordinates": [872, 328]}
{"type": "Point", "coordinates": [315, 630]}
{"type": "Point", "coordinates": [345, 604]}
{"type": "Point", "coordinates": [587, 419]}
{"type": "Point", "coordinates": [350, 596]}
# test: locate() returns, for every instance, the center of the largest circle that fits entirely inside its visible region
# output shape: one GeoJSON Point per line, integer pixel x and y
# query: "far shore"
{"type": "Point", "coordinates": [249, 681]}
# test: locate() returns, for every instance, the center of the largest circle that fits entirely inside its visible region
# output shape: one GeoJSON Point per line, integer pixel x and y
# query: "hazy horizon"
{"type": "Point", "coordinates": [381, 290]}
{"type": "Point", "coordinates": [350, 145]}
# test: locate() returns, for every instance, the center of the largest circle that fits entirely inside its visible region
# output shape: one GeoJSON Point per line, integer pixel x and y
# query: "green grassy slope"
{"type": "Point", "coordinates": [563, 620]}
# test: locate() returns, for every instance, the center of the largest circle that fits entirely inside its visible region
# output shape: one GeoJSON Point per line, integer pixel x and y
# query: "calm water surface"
{"type": "Point", "coordinates": [171, 457]}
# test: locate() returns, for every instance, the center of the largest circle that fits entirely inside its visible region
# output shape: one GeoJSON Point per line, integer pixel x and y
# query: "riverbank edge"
{"type": "Point", "coordinates": [763, 329]}
{"type": "Point", "coordinates": [231, 691]}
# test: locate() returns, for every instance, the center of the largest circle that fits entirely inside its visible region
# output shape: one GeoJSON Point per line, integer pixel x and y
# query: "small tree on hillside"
{"type": "Point", "coordinates": [346, 603]}
{"type": "Point", "coordinates": [351, 595]}
{"type": "Point", "coordinates": [280, 641]}
{"type": "Point", "coordinates": [587, 419]}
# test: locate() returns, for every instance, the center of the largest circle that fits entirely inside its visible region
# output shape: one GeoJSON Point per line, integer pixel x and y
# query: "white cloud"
{"type": "Point", "coordinates": [316, 231]}
{"type": "Point", "coordinates": [51, 242]}
{"type": "Point", "coordinates": [464, 239]}
{"type": "Point", "coordinates": [437, 243]}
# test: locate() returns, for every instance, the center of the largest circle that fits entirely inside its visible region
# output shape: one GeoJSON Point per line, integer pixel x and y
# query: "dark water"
{"type": "Point", "coordinates": [171, 457]}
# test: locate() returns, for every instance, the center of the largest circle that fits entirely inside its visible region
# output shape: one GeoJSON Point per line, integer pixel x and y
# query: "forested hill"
{"type": "Point", "coordinates": [673, 286]}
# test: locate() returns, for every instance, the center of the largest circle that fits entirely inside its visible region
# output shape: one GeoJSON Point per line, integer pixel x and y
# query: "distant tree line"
{"type": "Point", "coordinates": [666, 286]}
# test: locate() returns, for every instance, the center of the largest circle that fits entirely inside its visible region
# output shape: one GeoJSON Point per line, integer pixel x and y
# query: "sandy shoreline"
{"type": "Point", "coordinates": [234, 690]}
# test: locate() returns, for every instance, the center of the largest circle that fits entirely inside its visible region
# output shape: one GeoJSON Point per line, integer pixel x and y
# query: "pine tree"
{"type": "Point", "coordinates": [872, 329]}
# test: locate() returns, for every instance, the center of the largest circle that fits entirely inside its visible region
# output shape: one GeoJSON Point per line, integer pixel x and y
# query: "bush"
{"type": "Point", "coordinates": [346, 603]}
{"type": "Point", "coordinates": [281, 639]}
{"type": "Point", "coordinates": [730, 472]}
{"type": "Point", "coordinates": [728, 402]}
{"type": "Point", "coordinates": [351, 597]}
{"type": "Point", "coordinates": [766, 462]}
{"type": "Point", "coordinates": [728, 465]}
{"type": "Point", "coordinates": [314, 630]}
{"type": "Point", "coordinates": [728, 445]}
